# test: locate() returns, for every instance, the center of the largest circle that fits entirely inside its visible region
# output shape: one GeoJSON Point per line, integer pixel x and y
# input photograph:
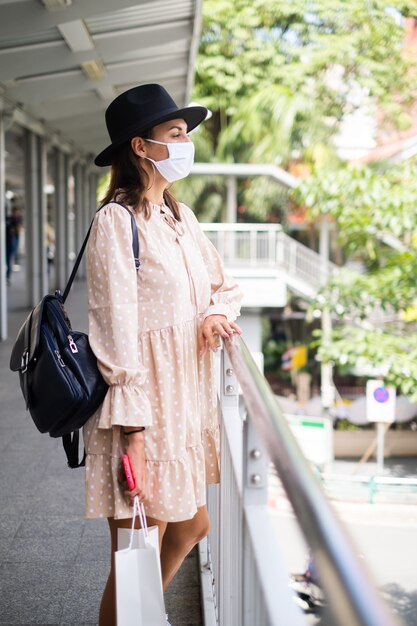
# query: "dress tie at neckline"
{"type": "Point", "coordinates": [167, 216]}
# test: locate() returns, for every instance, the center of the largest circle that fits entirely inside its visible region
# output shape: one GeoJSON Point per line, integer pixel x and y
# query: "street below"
{"type": "Point", "coordinates": [384, 538]}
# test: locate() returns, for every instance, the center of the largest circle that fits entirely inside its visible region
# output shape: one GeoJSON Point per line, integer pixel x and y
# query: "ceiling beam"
{"type": "Point", "coordinates": [76, 36]}
{"type": "Point", "coordinates": [54, 110]}
{"type": "Point", "coordinates": [22, 18]}
{"type": "Point", "coordinates": [55, 56]}
{"type": "Point", "coordinates": [246, 169]}
{"type": "Point", "coordinates": [35, 90]}
{"type": "Point", "coordinates": [43, 82]}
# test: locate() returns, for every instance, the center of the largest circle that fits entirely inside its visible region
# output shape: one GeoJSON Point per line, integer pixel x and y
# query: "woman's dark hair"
{"type": "Point", "coordinates": [129, 182]}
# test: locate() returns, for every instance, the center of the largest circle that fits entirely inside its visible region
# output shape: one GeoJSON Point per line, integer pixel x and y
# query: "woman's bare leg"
{"type": "Point", "coordinates": [178, 540]}
{"type": "Point", "coordinates": [108, 601]}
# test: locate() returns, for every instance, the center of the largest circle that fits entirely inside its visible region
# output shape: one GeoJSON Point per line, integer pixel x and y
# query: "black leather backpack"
{"type": "Point", "coordinates": [58, 372]}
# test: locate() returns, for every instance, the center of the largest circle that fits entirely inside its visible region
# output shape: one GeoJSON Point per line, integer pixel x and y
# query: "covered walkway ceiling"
{"type": "Point", "coordinates": [63, 61]}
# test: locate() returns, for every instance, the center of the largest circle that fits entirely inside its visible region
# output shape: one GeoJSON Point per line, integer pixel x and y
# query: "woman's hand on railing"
{"type": "Point", "coordinates": [213, 327]}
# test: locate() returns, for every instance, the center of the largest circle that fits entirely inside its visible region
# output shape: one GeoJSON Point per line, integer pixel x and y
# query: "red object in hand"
{"type": "Point", "coordinates": [130, 477]}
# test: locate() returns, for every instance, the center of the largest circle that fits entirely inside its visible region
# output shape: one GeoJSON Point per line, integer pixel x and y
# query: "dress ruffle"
{"type": "Point", "coordinates": [125, 405]}
{"type": "Point", "coordinates": [177, 487]}
{"type": "Point", "coordinates": [221, 309]}
{"type": "Point", "coordinates": [211, 443]}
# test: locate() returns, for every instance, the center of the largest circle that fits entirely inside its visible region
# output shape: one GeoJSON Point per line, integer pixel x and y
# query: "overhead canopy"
{"type": "Point", "coordinates": [63, 61]}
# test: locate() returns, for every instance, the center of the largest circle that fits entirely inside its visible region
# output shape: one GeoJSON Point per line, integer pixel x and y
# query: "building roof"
{"type": "Point", "coordinates": [63, 61]}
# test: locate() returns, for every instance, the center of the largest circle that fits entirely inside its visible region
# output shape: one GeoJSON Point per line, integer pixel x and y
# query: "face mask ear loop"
{"type": "Point", "coordinates": [154, 175]}
{"type": "Point", "coordinates": [153, 171]}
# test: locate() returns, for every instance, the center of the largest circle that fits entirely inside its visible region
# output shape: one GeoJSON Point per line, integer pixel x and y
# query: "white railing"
{"type": "Point", "coordinates": [253, 245]}
{"type": "Point", "coordinates": [244, 578]}
{"type": "Point", "coordinates": [301, 262]}
{"type": "Point", "coordinates": [267, 246]}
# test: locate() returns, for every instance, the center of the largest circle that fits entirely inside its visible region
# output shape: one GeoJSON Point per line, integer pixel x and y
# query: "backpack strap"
{"type": "Point", "coordinates": [135, 247]}
{"type": "Point", "coordinates": [70, 443]}
{"type": "Point", "coordinates": [25, 361]}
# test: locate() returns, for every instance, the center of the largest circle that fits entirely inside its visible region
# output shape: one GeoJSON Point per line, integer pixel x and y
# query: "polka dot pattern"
{"type": "Point", "coordinates": [143, 329]}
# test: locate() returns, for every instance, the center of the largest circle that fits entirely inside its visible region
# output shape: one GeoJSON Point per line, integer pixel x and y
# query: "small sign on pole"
{"type": "Point", "coordinates": [380, 408]}
{"type": "Point", "coordinates": [380, 401]}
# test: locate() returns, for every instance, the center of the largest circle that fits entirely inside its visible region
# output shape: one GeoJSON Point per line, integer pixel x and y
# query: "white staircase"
{"type": "Point", "coordinates": [267, 262]}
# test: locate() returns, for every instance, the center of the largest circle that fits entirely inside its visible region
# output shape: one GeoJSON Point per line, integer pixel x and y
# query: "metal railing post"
{"type": "Point", "coordinates": [255, 467]}
{"type": "Point", "coordinates": [229, 589]}
{"type": "Point", "coordinates": [255, 493]}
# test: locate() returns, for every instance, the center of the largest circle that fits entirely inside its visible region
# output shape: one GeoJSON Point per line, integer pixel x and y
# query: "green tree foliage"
{"type": "Point", "coordinates": [278, 77]}
{"type": "Point", "coordinates": [375, 214]}
{"type": "Point", "coordinates": [270, 125]}
{"type": "Point", "coordinates": [389, 352]}
{"type": "Point", "coordinates": [318, 50]}
{"type": "Point", "coordinates": [369, 206]}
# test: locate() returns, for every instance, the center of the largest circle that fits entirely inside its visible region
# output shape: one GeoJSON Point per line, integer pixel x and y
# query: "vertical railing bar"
{"type": "Point", "coordinates": [253, 246]}
{"type": "Point", "coordinates": [272, 238]}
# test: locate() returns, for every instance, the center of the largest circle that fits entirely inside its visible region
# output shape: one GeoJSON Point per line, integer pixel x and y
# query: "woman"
{"type": "Point", "coordinates": [153, 332]}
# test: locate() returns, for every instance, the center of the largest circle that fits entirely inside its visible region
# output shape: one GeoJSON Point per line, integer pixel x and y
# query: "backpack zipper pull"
{"type": "Point", "coordinates": [59, 357]}
{"type": "Point", "coordinates": [72, 344]}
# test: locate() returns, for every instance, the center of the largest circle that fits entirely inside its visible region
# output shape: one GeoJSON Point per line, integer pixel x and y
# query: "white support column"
{"type": "Point", "coordinates": [79, 210]}
{"type": "Point", "coordinates": [3, 287]}
{"type": "Point", "coordinates": [35, 176]}
{"type": "Point", "coordinates": [327, 386]}
{"type": "Point", "coordinates": [66, 215]}
{"type": "Point", "coordinates": [86, 199]}
{"type": "Point", "coordinates": [43, 213]}
{"type": "Point", "coordinates": [324, 247]}
{"type": "Point", "coordinates": [61, 218]}
{"type": "Point", "coordinates": [92, 193]}
{"type": "Point", "coordinates": [231, 199]}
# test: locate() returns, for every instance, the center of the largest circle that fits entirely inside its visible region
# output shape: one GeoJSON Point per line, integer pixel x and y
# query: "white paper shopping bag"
{"type": "Point", "coordinates": [139, 595]}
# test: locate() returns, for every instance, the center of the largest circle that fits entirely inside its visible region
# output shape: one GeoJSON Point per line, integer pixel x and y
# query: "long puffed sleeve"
{"type": "Point", "coordinates": [226, 296]}
{"type": "Point", "coordinates": [113, 318]}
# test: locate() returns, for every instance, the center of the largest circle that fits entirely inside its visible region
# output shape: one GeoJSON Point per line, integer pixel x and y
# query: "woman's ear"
{"type": "Point", "coordinates": [138, 146]}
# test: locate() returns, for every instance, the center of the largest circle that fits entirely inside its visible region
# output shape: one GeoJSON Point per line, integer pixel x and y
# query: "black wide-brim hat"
{"type": "Point", "coordinates": [140, 109]}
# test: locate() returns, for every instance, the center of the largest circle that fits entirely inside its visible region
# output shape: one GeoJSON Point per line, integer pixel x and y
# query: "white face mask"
{"type": "Point", "coordinates": [179, 163]}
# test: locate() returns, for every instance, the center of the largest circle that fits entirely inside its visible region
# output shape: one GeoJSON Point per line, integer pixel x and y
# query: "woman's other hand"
{"type": "Point", "coordinates": [136, 451]}
{"type": "Point", "coordinates": [212, 327]}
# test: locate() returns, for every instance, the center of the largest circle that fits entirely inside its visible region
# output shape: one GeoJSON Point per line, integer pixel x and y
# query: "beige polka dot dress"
{"type": "Point", "coordinates": [143, 329]}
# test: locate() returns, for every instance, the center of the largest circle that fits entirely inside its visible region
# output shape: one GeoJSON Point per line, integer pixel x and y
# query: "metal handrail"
{"type": "Point", "coordinates": [352, 598]}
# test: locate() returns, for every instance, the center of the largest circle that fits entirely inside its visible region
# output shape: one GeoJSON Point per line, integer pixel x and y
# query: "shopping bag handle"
{"type": "Point", "coordinates": [139, 510]}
